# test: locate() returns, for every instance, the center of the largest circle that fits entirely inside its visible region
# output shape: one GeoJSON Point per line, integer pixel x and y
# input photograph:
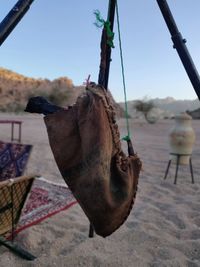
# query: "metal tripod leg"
{"type": "Point", "coordinates": [177, 165]}
{"type": "Point", "coordinates": [169, 163]}
{"type": "Point", "coordinates": [191, 170]}
{"type": "Point", "coordinates": [91, 231]}
{"type": "Point", "coordinates": [16, 249]}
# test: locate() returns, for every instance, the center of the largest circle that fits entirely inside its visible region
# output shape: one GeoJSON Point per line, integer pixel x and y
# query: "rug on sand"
{"type": "Point", "coordinates": [45, 199]}
{"type": "Point", "coordinates": [13, 159]}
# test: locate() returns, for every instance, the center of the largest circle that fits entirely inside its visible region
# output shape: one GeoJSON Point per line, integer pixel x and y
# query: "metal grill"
{"type": "Point", "coordinates": [13, 194]}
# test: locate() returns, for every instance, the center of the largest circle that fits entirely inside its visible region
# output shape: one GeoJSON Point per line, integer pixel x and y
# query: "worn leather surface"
{"type": "Point", "coordinates": [86, 145]}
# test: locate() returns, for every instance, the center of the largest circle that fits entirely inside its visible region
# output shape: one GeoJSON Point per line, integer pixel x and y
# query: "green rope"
{"type": "Point", "coordinates": [126, 138]}
{"type": "Point", "coordinates": [99, 23]}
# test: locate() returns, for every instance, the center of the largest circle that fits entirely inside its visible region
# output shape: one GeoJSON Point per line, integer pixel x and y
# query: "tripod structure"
{"type": "Point", "coordinates": [22, 6]}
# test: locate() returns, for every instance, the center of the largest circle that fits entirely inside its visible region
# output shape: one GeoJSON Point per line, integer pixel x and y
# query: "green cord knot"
{"type": "Point", "coordinates": [99, 23]}
{"type": "Point", "coordinates": [110, 34]}
{"type": "Point", "coordinates": [126, 138]}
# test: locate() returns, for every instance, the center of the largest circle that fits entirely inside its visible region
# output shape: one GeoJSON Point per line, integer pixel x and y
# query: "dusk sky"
{"type": "Point", "coordinates": [58, 38]}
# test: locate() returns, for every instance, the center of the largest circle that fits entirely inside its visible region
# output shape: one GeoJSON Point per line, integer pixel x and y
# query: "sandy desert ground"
{"type": "Point", "coordinates": [163, 229]}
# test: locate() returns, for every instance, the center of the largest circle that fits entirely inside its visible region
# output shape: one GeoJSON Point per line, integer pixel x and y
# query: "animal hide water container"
{"type": "Point", "coordinates": [182, 138]}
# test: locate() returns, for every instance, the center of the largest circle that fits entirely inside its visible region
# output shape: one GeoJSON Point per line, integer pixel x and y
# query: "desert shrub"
{"type": "Point", "coordinates": [12, 107]}
{"type": "Point", "coordinates": [58, 97]}
{"type": "Point", "coordinates": [145, 107]}
{"type": "Point", "coordinates": [16, 90]}
{"type": "Point", "coordinates": [55, 95]}
{"type": "Point", "coordinates": [36, 92]}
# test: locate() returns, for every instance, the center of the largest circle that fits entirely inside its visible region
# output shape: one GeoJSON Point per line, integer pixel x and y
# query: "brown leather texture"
{"type": "Point", "coordinates": [86, 145]}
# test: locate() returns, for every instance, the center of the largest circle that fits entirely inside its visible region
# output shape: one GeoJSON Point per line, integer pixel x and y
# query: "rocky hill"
{"type": "Point", "coordinates": [16, 89]}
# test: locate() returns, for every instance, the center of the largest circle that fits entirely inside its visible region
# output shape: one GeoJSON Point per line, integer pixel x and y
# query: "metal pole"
{"type": "Point", "coordinates": [179, 44]}
{"type": "Point", "coordinates": [105, 48]}
{"type": "Point", "coordinates": [110, 18]}
{"type": "Point", "coordinates": [105, 62]}
{"type": "Point", "coordinates": [13, 18]}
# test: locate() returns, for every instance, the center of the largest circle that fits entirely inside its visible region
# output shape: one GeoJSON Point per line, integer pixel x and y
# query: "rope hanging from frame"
{"type": "Point", "coordinates": [126, 138]}
{"type": "Point", "coordinates": [106, 45]}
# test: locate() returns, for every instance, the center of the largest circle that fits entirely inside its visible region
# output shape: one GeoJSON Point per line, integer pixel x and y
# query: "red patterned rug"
{"type": "Point", "coordinates": [45, 200]}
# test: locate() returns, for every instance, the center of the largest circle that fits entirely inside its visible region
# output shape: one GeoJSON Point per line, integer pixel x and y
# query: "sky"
{"type": "Point", "coordinates": [58, 38]}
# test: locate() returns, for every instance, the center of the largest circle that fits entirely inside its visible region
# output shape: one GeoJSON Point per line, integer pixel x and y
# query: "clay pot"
{"type": "Point", "coordinates": [182, 137]}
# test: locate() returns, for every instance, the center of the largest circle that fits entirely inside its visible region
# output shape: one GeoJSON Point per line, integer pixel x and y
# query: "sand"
{"type": "Point", "coordinates": [163, 228]}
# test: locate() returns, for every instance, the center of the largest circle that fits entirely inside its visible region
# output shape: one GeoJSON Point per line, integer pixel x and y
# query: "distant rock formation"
{"type": "Point", "coordinates": [16, 89]}
{"type": "Point", "coordinates": [166, 107]}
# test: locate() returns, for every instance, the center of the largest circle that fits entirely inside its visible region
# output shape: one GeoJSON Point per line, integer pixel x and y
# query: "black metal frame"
{"type": "Point", "coordinates": [22, 6]}
{"type": "Point", "coordinates": [180, 46]}
{"type": "Point", "coordinates": [13, 18]}
{"type": "Point", "coordinates": [178, 156]}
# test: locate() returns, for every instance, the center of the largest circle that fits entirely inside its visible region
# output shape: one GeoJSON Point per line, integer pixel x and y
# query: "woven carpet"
{"type": "Point", "coordinates": [13, 159]}
{"type": "Point", "coordinates": [45, 200]}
